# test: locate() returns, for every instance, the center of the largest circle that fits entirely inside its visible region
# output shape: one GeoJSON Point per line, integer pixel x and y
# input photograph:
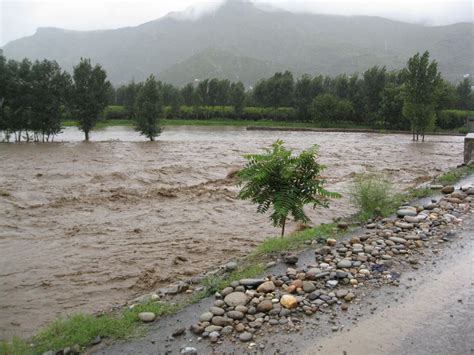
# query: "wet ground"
{"type": "Point", "coordinates": [84, 226]}
{"type": "Point", "coordinates": [430, 312]}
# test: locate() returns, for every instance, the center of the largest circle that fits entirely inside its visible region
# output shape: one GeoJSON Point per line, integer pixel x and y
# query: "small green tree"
{"type": "Point", "coordinates": [148, 109]}
{"type": "Point", "coordinates": [89, 94]}
{"type": "Point", "coordinates": [422, 80]}
{"type": "Point", "coordinates": [284, 182]}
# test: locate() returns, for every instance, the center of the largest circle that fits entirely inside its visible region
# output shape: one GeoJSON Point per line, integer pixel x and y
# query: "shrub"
{"type": "Point", "coordinates": [452, 119]}
{"type": "Point", "coordinates": [373, 195]}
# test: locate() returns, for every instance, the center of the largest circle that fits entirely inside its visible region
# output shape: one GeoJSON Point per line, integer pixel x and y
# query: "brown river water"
{"type": "Point", "coordinates": [85, 226]}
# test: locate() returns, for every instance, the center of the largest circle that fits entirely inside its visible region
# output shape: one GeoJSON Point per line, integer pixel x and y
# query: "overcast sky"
{"type": "Point", "coordinates": [20, 18]}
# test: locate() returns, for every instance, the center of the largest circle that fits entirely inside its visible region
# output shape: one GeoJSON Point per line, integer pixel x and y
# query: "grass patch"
{"type": "Point", "coordinates": [374, 196]}
{"type": "Point", "coordinates": [454, 175]}
{"type": "Point", "coordinates": [81, 329]}
{"type": "Point", "coordinates": [295, 240]}
{"type": "Point", "coordinates": [419, 193]}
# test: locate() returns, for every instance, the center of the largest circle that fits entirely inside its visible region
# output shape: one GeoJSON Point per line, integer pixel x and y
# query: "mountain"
{"type": "Point", "coordinates": [240, 40]}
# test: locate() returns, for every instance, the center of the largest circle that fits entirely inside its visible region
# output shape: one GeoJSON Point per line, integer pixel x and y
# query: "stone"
{"type": "Point", "coordinates": [251, 282]}
{"type": "Point", "coordinates": [214, 336]}
{"type": "Point", "coordinates": [245, 336]}
{"type": "Point", "coordinates": [404, 225]}
{"type": "Point", "coordinates": [332, 283]}
{"type": "Point", "coordinates": [235, 299]}
{"type": "Point", "coordinates": [235, 315]}
{"type": "Point", "coordinates": [331, 242]}
{"type": "Point", "coordinates": [217, 311]}
{"type": "Point", "coordinates": [239, 327]}
{"type": "Point", "coordinates": [188, 350]}
{"type": "Point", "coordinates": [197, 329]}
{"type": "Point", "coordinates": [230, 266]}
{"type": "Point", "coordinates": [213, 328]}
{"type": "Point", "coordinates": [221, 321]}
{"type": "Point", "coordinates": [290, 259]}
{"type": "Point", "coordinates": [96, 340]}
{"type": "Point", "coordinates": [147, 316]}
{"type": "Point", "coordinates": [342, 225]}
{"type": "Point", "coordinates": [398, 240]}
{"type": "Point", "coordinates": [349, 297]}
{"type": "Point", "coordinates": [407, 211]}
{"type": "Point", "coordinates": [226, 291]}
{"type": "Point", "coordinates": [447, 190]}
{"type": "Point", "coordinates": [341, 293]}
{"type": "Point", "coordinates": [265, 306]}
{"type": "Point", "coordinates": [266, 287]}
{"type": "Point", "coordinates": [308, 286]}
{"type": "Point", "coordinates": [344, 264]}
{"type": "Point", "coordinates": [242, 309]}
{"type": "Point", "coordinates": [288, 301]}
{"type": "Point", "coordinates": [178, 331]}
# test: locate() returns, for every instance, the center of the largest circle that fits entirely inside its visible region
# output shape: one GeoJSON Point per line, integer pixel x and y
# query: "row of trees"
{"type": "Point", "coordinates": [36, 96]}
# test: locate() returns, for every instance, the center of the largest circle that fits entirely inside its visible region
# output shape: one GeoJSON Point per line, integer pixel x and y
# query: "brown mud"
{"type": "Point", "coordinates": [84, 226]}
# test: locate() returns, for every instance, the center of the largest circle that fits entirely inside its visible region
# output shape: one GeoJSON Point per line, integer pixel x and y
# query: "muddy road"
{"type": "Point", "coordinates": [85, 226]}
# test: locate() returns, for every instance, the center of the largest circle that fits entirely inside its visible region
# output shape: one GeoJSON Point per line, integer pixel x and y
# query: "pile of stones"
{"type": "Point", "coordinates": [340, 270]}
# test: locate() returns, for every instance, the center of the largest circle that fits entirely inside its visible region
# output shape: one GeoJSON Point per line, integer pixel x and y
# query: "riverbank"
{"type": "Point", "coordinates": [263, 125]}
{"type": "Point", "coordinates": [268, 248]}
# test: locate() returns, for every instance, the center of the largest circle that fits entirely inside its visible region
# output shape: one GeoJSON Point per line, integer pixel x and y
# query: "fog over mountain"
{"type": "Point", "coordinates": [245, 41]}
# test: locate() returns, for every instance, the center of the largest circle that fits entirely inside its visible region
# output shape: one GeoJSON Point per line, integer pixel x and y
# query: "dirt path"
{"type": "Point", "coordinates": [85, 226]}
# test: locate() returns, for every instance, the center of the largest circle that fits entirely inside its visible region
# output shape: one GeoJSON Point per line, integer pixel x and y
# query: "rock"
{"type": "Point", "coordinates": [288, 301]}
{"type": "Point", "coordinates": [235, 315]}
{"type": "Point", "coordinates": [235, 299]}
{"type": "Point", "coordinates": [214, 336]}
{"type": "Point", "coordinates": [188, 350]}
{"type": "Point", "coordinates": [196, 329]}
{"type": "Point", "coordinates": [344, 264]}
{"type": "Point", "coordinates": [342, 225]}
{"type": "Point", "coordinates": [227, 330]}
{"type": "Point", "coordinates": [242, 309]}
{"type": "Point", "coordinates": [221, 321]}
{"type": "Point", "coordinates": [404, 225]}
{"type": "Point", "coordinates": [96, 340]}
{"type": "Point", "coordinates": [266, 287]}
{"type": "Point", "coordinates": [213, 328]}
{"type": "Point", "coordinates": [331, 242]}
{"type": "Point", "coordinates": [245, 336]}
{"type": "Point", "coordinates": [239, 327]}
{"type": "Point", "coordinates": [332, 283]}
{"type": "Point", "coordinates": [230, 266]}
{"type": "Point", "coordinates": [308, 286]}
{"type": "Point", "coordinates": [398, 240]}
{"type": "Point", "coordinates": [206, 317]}
{"type": "Point", "coordinates": [349, 297]}
{"type": "Point", "coordinates": [341, 293]}
{"type": "Point", "coordinates": [178, 331]}
{"type": "Point", "coordinates": [447, 190]}
{"type": "Point", "coordinates": [407, 211]}
{"type": "Point", "coordinates": [251, 282]}
{"type": "Point", "coordinates": [217, 311]}
{"type": "Point", "coordinates": [265, 306]}
{"type": "Point", "coordinates": [290, 259]}
{"type": "Point", "coordinates": [226, 291]}
{"type": "Point", "coordinates": [147, 316]}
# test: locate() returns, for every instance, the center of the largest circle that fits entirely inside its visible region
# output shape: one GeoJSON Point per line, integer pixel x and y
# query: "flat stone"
{"type": "Point", "coordinates": [217, 311]}
{"type": "Point", "coordinates": [398, 240]}
{"type": "Point", "coordinates": [404, 225]}
{"type": "Point", "coordinates": [344, 264]}
{"type": "Point", "coordinates": [230, 266]}
{"type": "Point", "coordinates": [308, 286]}
{"type": "Point", "coordinates": [178, 331]}
{"type": "Point", "coordinates": [251, 282]}
{"type": "Point", "coordinates": [406, 212]}
{"type": "Point", "coordinates": [206, 317]}
{"type": "Point", "coordinates": [221, 321]}
{"type": "Point", "coordinates": [188, 350]}
{"type": "Point", "coordinates": [235, 299]}
{"type": "Point", "coordinates": [226, 291]}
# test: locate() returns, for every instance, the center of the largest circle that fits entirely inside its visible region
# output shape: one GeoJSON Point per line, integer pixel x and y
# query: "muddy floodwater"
{"type": "Point", "coordinates": [84, 226]}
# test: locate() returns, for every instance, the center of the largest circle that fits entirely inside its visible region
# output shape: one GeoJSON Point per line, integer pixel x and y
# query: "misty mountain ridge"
{"type": "Point", "coordinates": [240, 41]}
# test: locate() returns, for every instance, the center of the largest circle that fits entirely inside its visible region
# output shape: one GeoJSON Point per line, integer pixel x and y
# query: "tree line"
{"type": "Point", "coordinates": [35, 97]}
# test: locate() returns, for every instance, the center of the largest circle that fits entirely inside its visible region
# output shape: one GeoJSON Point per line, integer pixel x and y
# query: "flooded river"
{"type": "Point", "coordinates": [84, 226]}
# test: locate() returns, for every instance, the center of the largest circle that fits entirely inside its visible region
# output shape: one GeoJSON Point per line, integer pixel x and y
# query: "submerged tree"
{"type": "Point", "coordinates": [284, 182]}
{"type": "Point", "coordinates": [422, 81]}
{"type": "Point", "coordinates": [89, 94]}
{"type": "Point", "coordinates": [148, 109]}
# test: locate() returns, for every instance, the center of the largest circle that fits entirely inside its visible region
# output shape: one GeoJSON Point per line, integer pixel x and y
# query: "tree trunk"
{"type": "Point", "coordinates": [87, 135]}
{"type": "Point", "coordinates": [283, 228]}
{"type": "Point", "coordinates": [423, 136]}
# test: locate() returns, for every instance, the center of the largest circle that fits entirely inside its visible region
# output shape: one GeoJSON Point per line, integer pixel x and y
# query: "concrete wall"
{"type": "Point", "coordinates": [469, 148]}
